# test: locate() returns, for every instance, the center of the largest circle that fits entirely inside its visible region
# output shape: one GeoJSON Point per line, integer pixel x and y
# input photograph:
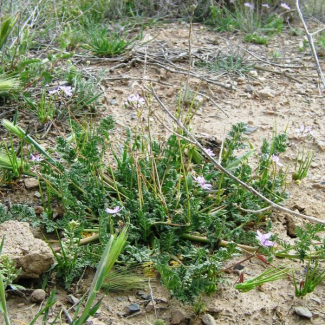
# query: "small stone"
{"type": "Point", "coordinates": [177, 317]}
{"type": "Point", "coordinates": [38, 209]}
{"type": "Point", "coordinates": [119, 299]}
{"type": "Point", "coordinates": [321, 145]}
{"type": "Point", "coordinates": [320, 185]}
{"type": "Point", "coordinates": [266, 93]}
{"type": "Point", "coordinates": [303, 312]}
{"type": "Point", "coordinates": [21, 305]}
{"type": "Point", "coordinates": [112, 101]}
{"type": "Point", "coordinates": [249, 129]}
{"type": "Point", "coordinates": [94, 321]}
{"type": "Point", "coordinates": [31, 183]}
{"type": "Point", "coordinates": [37, 194]}
{"type": "Point", "coordinates": [253, 73]}
{"type": "Point", "coordinates": [133, 308]}
{"type": "Point", "coordinates": [38, 295]}
{"type": "Point", "coordinates": [72, 299]}
{"type": "Point", "coordinates": [215, 310]}
{"type": "Point", "coordinates": [239, 267]}
{"type": "Point", "coordinates": [133, 116]}
{"type": "Point", "coordinates": [208, 320]}
{"type": "Point", "coordinates": [162, 299]}
{"type": "Point", "coordinates": [249, 89]}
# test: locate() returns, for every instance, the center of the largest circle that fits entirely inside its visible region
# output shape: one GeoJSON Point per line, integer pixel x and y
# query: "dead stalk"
{"type": "Point", "coordinates": [312, 44]}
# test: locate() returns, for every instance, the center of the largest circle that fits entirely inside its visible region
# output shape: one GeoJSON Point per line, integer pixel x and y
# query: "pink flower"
{"type": "Point", "coordinates": [264, 239]}
{"type": "Point", "coordinates": [202, 182]}
{"type": "Point", "coordinates": [66, 89]}
{"type": "Point", "coordinates": [304, 131]}
{"type": "Point", "coordinates": [115, 210]}
{"type": "Point", "coordinates": [265, 5]}
{"type": "Point", "coordinates": [209, 152]}
{"type": "Point", "coordinates": [285, 6]}
{"type": "Point", "coordinates": [134, 101]}
{"type": "Point", "coordinates": [35, 158]}
{"type": "Point", "coordinates": [276, 160]}
{"type": "Point", "coordinates": [249, 5]}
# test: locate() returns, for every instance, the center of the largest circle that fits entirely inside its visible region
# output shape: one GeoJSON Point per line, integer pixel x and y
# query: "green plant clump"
{"type": "Point", "coordinates": [158, 190]}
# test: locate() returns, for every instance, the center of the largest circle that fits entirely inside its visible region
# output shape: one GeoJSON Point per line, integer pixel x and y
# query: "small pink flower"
{"type": "Point", "coordinates": [276, 160]}
{"type": "Point", "coordinates": [115, 210]}
{"type": "Point", "coordinates": [264, 239]}
{"type": "Point", "coordinates": [35, 158]}
{"type": "Point", "coordinates": [202, 182]}
{"type": "Point", "coordinates": [285, 6]}
{"type": "Point", "coordinates": [304, 131]}
{"type": "Point", "coordinates": [134, 101]}
{"type": "Point", "coordinates": [66, 89]}
{"type": "Point", "coordinates": [209, 152]}
{"type": "Point", "coordinates": [249, 5]}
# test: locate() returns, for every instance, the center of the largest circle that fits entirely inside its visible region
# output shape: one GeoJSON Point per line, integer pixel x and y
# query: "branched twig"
{"type": "Point", "coordinates": [273, 205]}
{"type": "Point", "coordinates": [311, 44]}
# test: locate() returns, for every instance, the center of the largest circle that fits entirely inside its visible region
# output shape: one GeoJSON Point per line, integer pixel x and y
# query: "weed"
{"type": "Point", "coordinates": [234, 63]}
{"type": "Point", "coordinates": [199, 306]}
{"type": "Point", "coordinates": [103, 45]}
{"type": "Point", "coordinates": [269, 275]}
{"type": "Point", "coordinates": [8, 270]}
{"type": "Point", "coordinates": [44, 110]}
{"type": "Point", "coordinates": [313, 277]}
{"type": "Point", "coordinates": [256, 38]}
{"type": "Point", "coordinates": [302, 165]}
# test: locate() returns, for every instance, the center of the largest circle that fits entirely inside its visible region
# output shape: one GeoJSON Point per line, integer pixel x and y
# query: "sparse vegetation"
{"type": "Point", "coordinates": [130, 197]}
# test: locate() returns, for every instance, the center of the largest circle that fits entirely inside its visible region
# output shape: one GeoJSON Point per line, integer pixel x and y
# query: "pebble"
{"type": "Point", "coordinates": [72, 299]}
{"type": "Point", "coordinates": [94, 321]}
{"type": "Point", "coordinates": [320, 185]}
{"type": "Point", "coordinates": [249, 89]}
{"type": "Point", "coordinates": [215, 310]}
{"type": "Point", "coordinates": [133, 116]}
{"type": "Point", "coordinates": [39, 209]}
{"type": "Point", "coordinates": [131, 309]}
{"type": "Point", "coordinates": [177, 317]}
{"type": "Point", "coordinates": [208, 320]}
{"type": "Point", "coordinates": [31, 183]}
{"type": "Point", "coordinates": [37, 194]}
{"type": "Point", "coordinates": [321, 145]}
{"type": "Point", "coordinates": [249, 129]}
{"type": "Point", "coordinates": [266, 93]}
{"type": "Point", "coordinates": [239, 267]}
{"type": "Point", "coordinates": [38, 295]}
{"type": "Point", "coordinates": [253, 73]}
{"type": "Point", "coordinates": [303, 312]}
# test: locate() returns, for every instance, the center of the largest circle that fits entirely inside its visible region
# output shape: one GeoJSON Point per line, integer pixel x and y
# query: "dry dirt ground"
{"type": "Point", "coordinates": [286, 96]}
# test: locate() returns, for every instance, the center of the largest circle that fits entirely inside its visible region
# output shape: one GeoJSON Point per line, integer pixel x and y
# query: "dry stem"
{"type": "Point", "coordinates": [312, 44]}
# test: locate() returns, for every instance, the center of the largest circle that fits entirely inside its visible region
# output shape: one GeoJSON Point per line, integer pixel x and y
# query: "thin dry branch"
{"type": "Point", "coordinates": [273, 205]}
{"type": "Point", "coordinates": [311, 44]}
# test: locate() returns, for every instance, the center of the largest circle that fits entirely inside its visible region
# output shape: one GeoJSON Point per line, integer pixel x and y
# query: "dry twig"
{"type": "Point", "coordinates": [312, 44]}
